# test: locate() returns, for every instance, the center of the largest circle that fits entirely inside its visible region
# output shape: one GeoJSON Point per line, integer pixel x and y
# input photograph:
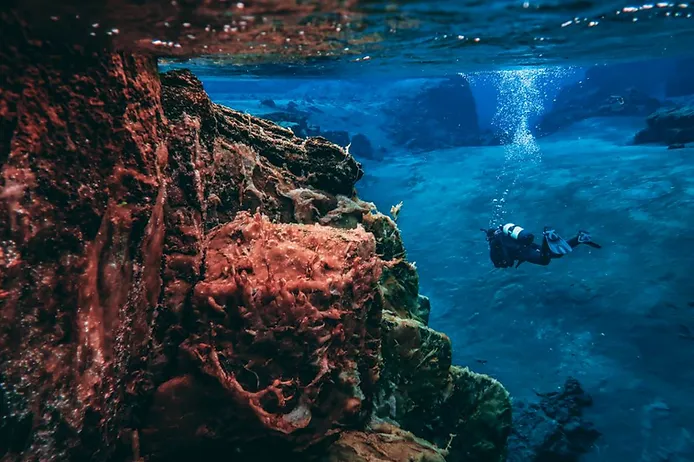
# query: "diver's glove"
{"type": "Point", "coordinates": [584, 238]}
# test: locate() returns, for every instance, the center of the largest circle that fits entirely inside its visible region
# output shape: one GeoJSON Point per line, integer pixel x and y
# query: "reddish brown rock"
{"type": "Point", "coordinates": [239, 162]}
{"type": "Point", "coordinates": [82, 147]}
{"type": "Point", "coordinates": [144, 315]}
{"type": "Point", "coordinates": [286, 340]}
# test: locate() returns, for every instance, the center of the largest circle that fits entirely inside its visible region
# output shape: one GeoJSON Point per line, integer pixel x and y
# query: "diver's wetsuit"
{"type": "Point", "coordinates": [505, 251]}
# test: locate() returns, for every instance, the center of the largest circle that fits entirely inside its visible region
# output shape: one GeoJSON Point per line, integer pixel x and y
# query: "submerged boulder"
{"type": "Point", "coordinates": [339, 137]}
{"type": "Point", "coordinates": [361, 147]}
{"type": "Point", "coordinates": [433, 114]}
{"type": "Point", "coordinates": [383, 443]}
{"type": "Point", "coordinates": [671, 126]}
{"type": "Point", "coordinates": [554, 428]}
{"type": "Point", "coordinates": [587, 99]}
{"type": "Point", "coordinates": [468, 414]}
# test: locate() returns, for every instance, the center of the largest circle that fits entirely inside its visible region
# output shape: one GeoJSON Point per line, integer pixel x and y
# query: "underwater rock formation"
{"type": "Point", "coordinates": [147, 315]}
{"type": "Point", "coordinates": [382, 443]}
{"type": "Point", "coordinates": [245, 163]}
{"type": "Point", "coordinates": [553, 430]}
{"type": "Point", "coordinates": [286, 333]}
{"type": "Point", "coordinates": [339, 137]}
{"type": "Point", "coordinates": [440, 114]}
{"type": "Point", "coordinates": [594, 98]}
{"type": "Point", "coordinates": [361, 147]}
{"type": "Point", "coordinates": [467, 413]}
{"type": "Point", "coordinates": [670, 126]}
{"type": "Point", "coordinates": [297, 120]}
{"type": "Point", "coordinates": [82, 149]}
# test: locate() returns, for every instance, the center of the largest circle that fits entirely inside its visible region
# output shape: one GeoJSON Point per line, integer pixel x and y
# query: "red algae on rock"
{"type": "Point", "coordinates": [287, 329]}
{"type": "Point", "coordinates": [81, 231]}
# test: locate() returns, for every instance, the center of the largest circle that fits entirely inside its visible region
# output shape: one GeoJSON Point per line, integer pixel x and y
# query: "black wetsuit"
{"type": "Point", "coordinates": [505, 251]}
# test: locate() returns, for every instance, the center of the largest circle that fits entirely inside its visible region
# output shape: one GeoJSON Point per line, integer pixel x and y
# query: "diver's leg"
{"type": "Point", "coordinates": [535, 254]}
{"type": "Point", "coordinates": [583, 238]}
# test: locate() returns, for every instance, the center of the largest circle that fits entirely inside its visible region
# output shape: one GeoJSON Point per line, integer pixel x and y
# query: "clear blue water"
{"type": "Point", "coordinates": [621, 318]}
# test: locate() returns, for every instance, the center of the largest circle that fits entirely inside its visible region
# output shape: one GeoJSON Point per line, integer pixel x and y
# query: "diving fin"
{"type": "Point", "coordinates": [584, 238]}
{"type": "Point", "coordinates": [556, 244]}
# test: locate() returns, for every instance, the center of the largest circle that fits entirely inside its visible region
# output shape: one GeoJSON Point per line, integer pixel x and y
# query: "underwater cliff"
{"type": "Point", "coordinates": [182, 280]}
{"type": "Point", "coordinates": [251, 231]}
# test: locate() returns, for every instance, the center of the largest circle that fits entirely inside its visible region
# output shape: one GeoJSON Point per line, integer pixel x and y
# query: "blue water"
{"type": "Point", "coordinates": [621, 318]}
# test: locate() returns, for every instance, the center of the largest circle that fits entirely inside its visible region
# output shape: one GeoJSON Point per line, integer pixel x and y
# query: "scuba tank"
{"type": "Point", "coordinates": [518, 234]}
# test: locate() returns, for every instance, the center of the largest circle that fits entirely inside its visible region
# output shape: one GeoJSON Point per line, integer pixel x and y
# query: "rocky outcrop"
{"type": "Point", "coordinates": [361, 147]}
{"type": "Point", "coordinates": [434, 115]}
{"type": "Point", "coordinates": [554, 429]}
{"type": "Point", "coordinates": [82, 153]}
{"type": "Point", "coordinates": [298, 121]}
{"type": "Point", "coordinates": [181, 280]}
{"type": "Point", "coordinates": [670, 126]}
{"type": "Point", "coordinates": [467, 413]}
{"type": "Point", "coordinates": [286, 340]}
{"type": "Point", "coordinates": [584, 100]}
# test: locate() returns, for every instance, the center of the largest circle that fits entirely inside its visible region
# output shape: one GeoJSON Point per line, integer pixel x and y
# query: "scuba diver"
{"type": "Point", "coordinates": [510, 243]}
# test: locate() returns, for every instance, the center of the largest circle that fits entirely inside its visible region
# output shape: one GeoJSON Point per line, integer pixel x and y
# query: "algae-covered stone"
{"type": "Point", "coordinates": [382, 443]}
{"type": "Point", "coordinates": [351, 211]}
{"type": "Point", "coordinates": [416, 360]}
{"type": "Point", "coordinates": [477, 410]}
{"type": "Point", "coordinates": [423, 309]}
{"type": "Point", "coordinates": [450, 406]}
{"type": "Point", "coordinates": [388, 241]}
{"type": "Point", "coordinates": [400, 287]}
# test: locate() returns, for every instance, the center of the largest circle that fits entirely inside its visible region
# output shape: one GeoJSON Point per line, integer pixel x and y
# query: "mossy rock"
{"type": "Point", "coordinates": [477, 409]}
{"type": "Point", "coordinates": [416, 361]}
{"type": "Point", "coordinates": [400, 287]}
{"type": "Point", "coordinates": [448, 405]}
{"type": "Point", "coordinates": [382, 443]}
{"type": "Point", "coordinates": [389, 243]}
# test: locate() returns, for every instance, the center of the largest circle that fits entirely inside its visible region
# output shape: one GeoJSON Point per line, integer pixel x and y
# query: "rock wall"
{"type": "Point", "coordinates": [82, 150]}
{"type": "Point", "coordinates": [183, 280]}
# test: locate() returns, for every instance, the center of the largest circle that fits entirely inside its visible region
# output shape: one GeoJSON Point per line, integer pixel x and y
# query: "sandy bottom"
{"type": "Point", "coordinates": [620, 319]}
